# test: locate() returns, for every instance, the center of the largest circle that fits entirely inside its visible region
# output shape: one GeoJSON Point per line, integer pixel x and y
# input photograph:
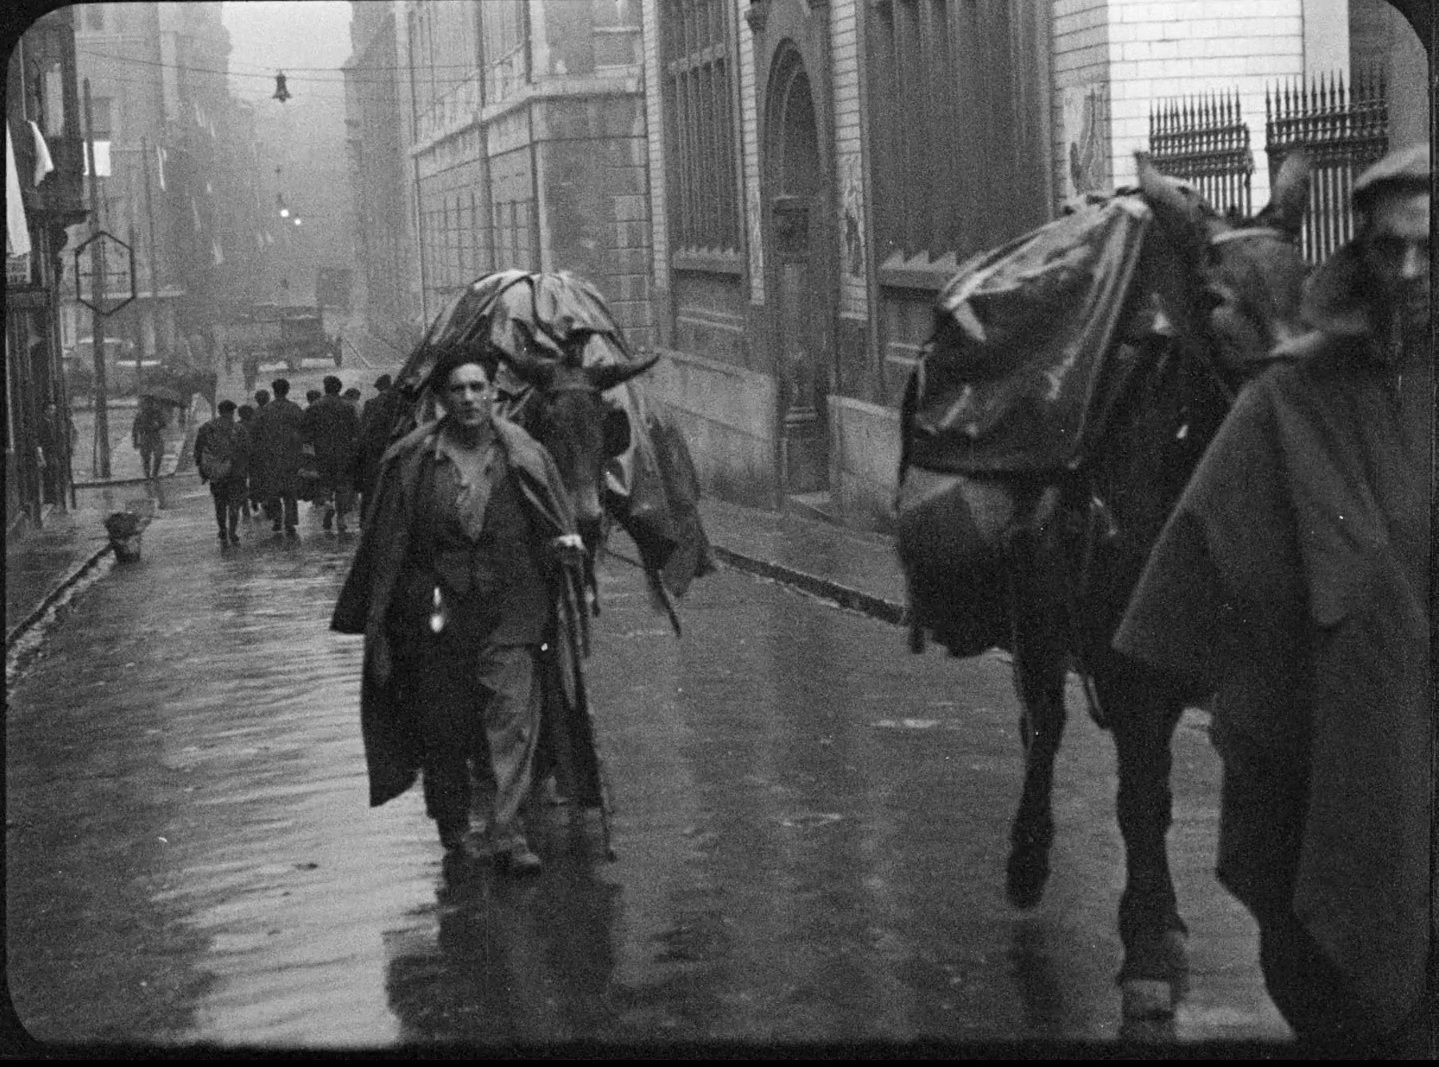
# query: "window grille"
{"type": "Point", "coordinates": [698, 64]}
{"type": "Point", "coordinates": [958, 122]}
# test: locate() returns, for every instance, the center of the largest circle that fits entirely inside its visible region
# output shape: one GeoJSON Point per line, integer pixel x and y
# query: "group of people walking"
{"type": "Point", "coordinates": [264, 458]}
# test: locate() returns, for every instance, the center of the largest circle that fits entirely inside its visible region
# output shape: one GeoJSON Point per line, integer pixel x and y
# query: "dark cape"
{"type": "Point", "coordinates": [392, 743]}
{"type": "Point", "coordinates": [1292, 583]}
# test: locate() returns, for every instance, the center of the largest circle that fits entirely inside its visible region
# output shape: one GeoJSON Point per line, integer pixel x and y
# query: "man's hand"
{"type": "Point", "coordinates": [568, 549]}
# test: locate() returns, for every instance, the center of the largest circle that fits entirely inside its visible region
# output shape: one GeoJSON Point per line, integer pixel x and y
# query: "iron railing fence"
{"type": "Point", "coordinates": [1344, 130]}
{"type": "Point", "coordinates": [1204, 141]}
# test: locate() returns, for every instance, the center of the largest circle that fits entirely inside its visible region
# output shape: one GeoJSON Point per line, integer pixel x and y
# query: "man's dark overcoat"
{"type": "Point", "coordinates": [275, 441]}
{"type": "Point", "coordinates": [376, 424]}
{"type": "Point", "coordinates": [1292, 580]}
{"type": "Point", "coordinates": [332, 427]}
{"type": "Point", "coordinates": [392, 744]}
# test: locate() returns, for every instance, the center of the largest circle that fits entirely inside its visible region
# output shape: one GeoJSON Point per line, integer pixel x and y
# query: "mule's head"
{"type": "Point", "coordinates": [1232, 284]}
{"type": "Point", "coordinates": [577, 426]}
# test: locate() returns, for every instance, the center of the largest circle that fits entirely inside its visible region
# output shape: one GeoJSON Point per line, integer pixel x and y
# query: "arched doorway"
{"type": "Point", "coordinates": [800, 245]}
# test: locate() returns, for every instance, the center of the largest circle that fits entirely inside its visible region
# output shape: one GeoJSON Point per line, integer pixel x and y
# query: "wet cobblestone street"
{"type": "Point", "coordinates": [810, 823]}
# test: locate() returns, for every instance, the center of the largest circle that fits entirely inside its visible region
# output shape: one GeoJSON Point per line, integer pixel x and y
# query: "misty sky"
{"type": "Point", "coordinates": [287, 35]}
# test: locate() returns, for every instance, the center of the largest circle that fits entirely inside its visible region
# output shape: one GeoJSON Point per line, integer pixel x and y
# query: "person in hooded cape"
{"type": "Point", "coordinates": [1292, 586]}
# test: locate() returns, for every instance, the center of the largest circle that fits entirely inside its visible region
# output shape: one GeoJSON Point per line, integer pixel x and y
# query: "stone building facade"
{"type": "Point", "coordinates": [525, 144]}
{"type": "Point", "coordinates": [818, 169]}
{"type": "Point", "coordinates": [41, 204]}
{"type": "Point", "coordinates": [171, 149]}
{"type": "Point", "coordinates": [772, 192]}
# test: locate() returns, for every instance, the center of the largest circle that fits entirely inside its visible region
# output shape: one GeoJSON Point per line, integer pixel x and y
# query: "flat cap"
{"type": "Point", "coordinates": [1402, 168]}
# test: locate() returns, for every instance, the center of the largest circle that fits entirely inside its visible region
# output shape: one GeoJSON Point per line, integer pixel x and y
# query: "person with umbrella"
{"type": "Point", "coordinates": [456, 586]}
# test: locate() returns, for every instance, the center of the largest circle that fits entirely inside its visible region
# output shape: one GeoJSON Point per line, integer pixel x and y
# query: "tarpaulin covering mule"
{"type": "Point", "coordinates": [1014, 379]}
{"type": "Point", "coordinates": [650, 487]}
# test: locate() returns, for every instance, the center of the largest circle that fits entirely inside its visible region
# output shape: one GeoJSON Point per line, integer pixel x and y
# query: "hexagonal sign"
{"type": "Point", "coordinates": [105, 273]}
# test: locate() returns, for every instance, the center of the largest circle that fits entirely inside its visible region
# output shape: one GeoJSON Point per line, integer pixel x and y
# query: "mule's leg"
{"type": "Point", "coordinates": [1040, 666]}
{"type": "Point", "coordinates": [1143, 718]}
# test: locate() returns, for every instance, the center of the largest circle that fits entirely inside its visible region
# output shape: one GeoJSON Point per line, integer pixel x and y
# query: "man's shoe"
{"type": "Point", "coordinates": [234, 538]}
{"type": "Point", "coordinates": [520, 860]}
{"type": "Point", "coordinates": [275, 526]}
{"type": "Point", "coordinates": [290, 532]}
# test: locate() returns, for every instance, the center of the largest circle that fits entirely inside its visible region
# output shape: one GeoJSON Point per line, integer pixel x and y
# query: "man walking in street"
{"type": "Point", "coordinates": [1292, 585]}
{"type": "Point", "coordinates": [222, 449]}
{"type": "Point", "coordinates": [148, 435]}
{"type": "Point", "coordinates": [376, 425]}
{"type": "Point", "coordinates": [454, 586]}
{"type": "Point", "coordinates": [332, 429]}
{"type": "Point", "coordinates": [276, 445]}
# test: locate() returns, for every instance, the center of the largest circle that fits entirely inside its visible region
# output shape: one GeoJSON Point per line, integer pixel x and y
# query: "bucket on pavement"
{"type": "Point", "coordinates": [125, 529]}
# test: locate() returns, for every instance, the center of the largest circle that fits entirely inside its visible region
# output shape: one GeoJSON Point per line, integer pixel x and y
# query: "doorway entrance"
{"type": "Point", "coordinates": [801, 241]}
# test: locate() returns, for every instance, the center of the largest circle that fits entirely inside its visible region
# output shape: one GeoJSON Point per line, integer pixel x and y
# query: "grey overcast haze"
{"type": "Point", "coordinates": [291, 36]}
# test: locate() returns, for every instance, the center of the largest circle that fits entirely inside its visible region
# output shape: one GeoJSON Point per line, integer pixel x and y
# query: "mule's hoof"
{"type": "Point", "coordinates": [1148, 998]}
{"type": "Point", "coordinates": [1025, 875]}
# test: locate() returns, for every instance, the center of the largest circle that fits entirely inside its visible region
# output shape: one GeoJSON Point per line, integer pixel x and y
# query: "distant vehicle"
{"type": "Point", "coordinates": [281, 333]}
{"type": "Point", "coordinates": [124, 369]}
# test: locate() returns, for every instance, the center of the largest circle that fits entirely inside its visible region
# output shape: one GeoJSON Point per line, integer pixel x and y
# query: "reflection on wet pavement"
{"type": "Point", "coordinates": [810, 825]}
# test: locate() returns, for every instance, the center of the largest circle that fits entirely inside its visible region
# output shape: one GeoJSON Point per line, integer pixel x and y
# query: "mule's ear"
{"type": "Point", "coordinates": [1181, 216]}
{"type": "Point", "coordinates": [609, 375]}
{"type": "Point", "coordinates": [1289, 198]}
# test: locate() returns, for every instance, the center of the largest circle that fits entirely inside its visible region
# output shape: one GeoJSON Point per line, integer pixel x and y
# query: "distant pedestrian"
{"type": "Point", "coordinates": [377, 424]}
{"type": "Point", "coordinates": [331, 427]}
{"type": "Point", "coordinates": [56, 436]}
{"type": "Point", "coordinates": [276, 448]}
{"type": "Point", "coordinates": [243, 414]}
{"type": "Point", "coordinates": [250, 368]}
{"type": "Point", "coordinates": [454, 586]}
{"type": "Point", "coordinates": [257, 462]}
{"type": "Point", "coordinates": [148, 435]}
{"type": "Point", "coordinates": [222, 450]}
{"type": "Point", "coordinates": [382, 386]}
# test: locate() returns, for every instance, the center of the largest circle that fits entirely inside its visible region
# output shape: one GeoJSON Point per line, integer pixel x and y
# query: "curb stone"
{"type": "Point", "coordinates": [20, 629]}
{"type": "Point", "coordinates": [877, 607]}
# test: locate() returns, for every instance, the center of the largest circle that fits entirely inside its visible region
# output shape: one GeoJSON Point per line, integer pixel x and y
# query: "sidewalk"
{"type": "Point", "coordinates": [42, 564]}
{"type": "Point", "coordinates": [856, 570]}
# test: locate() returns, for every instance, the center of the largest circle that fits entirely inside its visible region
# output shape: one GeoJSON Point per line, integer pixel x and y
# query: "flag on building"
{"type": "Point", "coordinates": [160, 158]}
{"type": "Point", "coordinates": [43, 163]}
{"type": "Point", "coordinates": [17, 231]}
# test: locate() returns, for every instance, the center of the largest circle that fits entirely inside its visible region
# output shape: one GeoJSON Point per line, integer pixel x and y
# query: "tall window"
{"type": "Point", "coordinates": [699, 125]}
{"type": "Point", "coordinates": [502, 47]}
{"type": "Point", "coordinates": [958, 124]}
